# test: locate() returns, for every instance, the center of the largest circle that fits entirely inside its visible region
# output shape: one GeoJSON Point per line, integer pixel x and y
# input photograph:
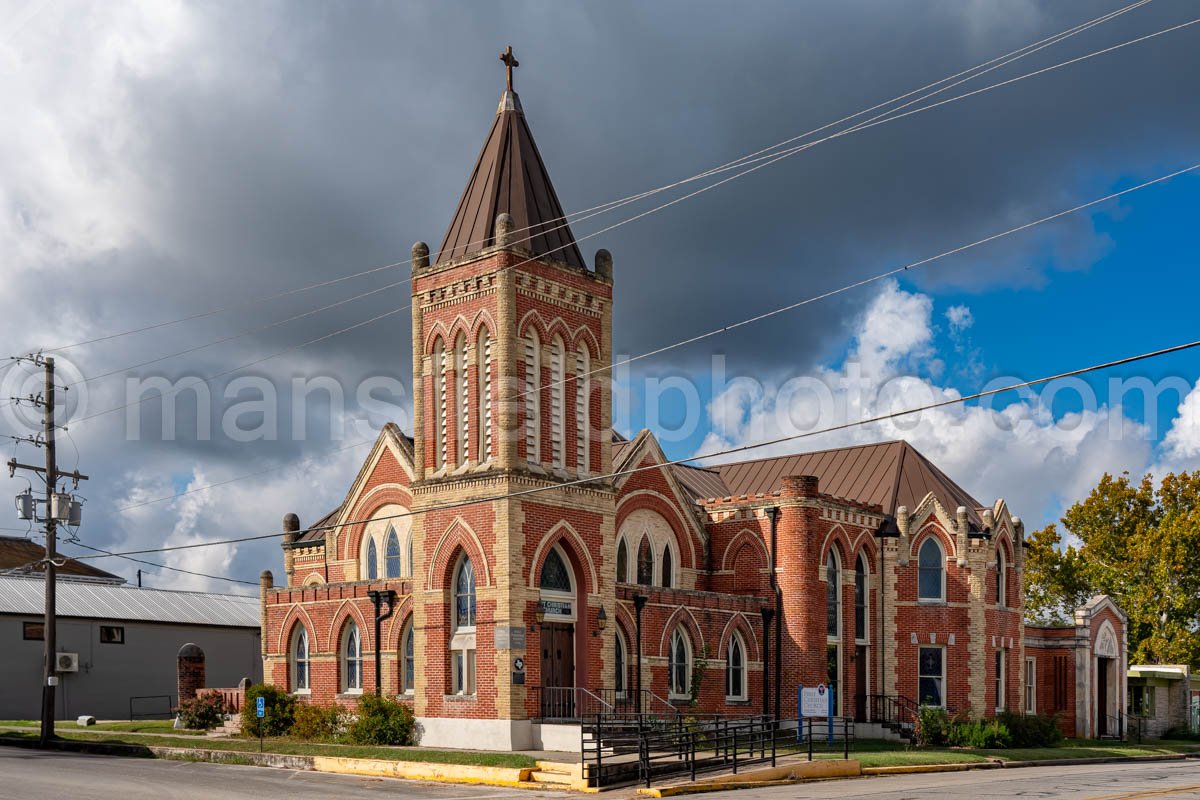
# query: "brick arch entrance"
{"type": "Point", "coordinates": [561, 599]}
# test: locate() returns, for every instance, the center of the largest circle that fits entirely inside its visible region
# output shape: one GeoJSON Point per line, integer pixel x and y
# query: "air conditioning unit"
{"type": "Point", "coordinates": [66, 662]}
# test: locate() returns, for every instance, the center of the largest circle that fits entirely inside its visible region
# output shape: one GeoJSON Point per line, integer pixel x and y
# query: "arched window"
{"type": "Point", "coordinates": [833, 595]}
{"type": "Point", "coordinates": [372, 560]}
{"type": "Point", "coordinates": [408, 660]}
{"type": "Point", "coordinates": [533, 402]}
{"type": "Point", "coordinates": [735, 669]}
{"type": "Point", "coordinates": [645, 563]}
{"type": "Point", "coordinates": [464, 595]}
{"type": "Point", "coordinates": [620, 661]}
{"type": "Point", "coordinates": [667, 567]}
{"type": "Point", "coordinates": [861, 575]}
{"type": "Point", "coordinates": [300, 672]}
{"type": "Point", "coordinates": [558, 405]}
{"type": "Point", "coordinates": [393, 554]}
{"type": "Point", "coordinates": [622, 562]}
{"type": "Point", "coordinates": [439, 404]}
{"type": "Point", "coordinates": [583, 425]}
{"type": "Point", "coordinates": [679, 665]}
{"type": "Point", "coordinates": [352, 677]}
{"type": "Point", "coordinates": [1001, 578]}
{"type": "Point", "coordinates": [555, 577]}
{"type": "Point", "coordinates": [409, 565]}
{"type": "Point", "coordinates": [462, 423]}
{"type": "Point", "coordinates": [483, 359]}
{"type": "Point", "coordinates": [462, 643]}
{"type": "Point", "coordinates": [931, 571]}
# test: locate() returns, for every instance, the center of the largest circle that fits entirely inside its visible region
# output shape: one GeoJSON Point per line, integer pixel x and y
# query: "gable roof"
{"type": "Point", "coordinates": [887, 474]}
{"type": "Point", "coordinates": [18, 555]}
{"type": "Point", "coordinates": [510, 177]}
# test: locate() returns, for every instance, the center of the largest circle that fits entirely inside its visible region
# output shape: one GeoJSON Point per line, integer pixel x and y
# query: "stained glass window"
{"type": "Point", "coordinates": [554, 573]}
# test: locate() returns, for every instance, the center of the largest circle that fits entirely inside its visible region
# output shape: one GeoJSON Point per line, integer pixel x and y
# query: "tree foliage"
{"type": "Point", "coordinates": [1140, 545]}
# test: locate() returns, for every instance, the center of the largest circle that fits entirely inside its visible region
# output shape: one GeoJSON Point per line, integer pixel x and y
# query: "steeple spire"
{"type": "Point", "coordinates": [510, 178]}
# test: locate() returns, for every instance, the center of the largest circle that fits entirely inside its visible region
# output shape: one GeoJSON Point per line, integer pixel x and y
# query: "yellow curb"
{"type": "Point", "coordinates": [423, 771]}
{"type": "Point", "coordinates": [771, 776]}
{"type": "Point", "coordinates": [915, 769]}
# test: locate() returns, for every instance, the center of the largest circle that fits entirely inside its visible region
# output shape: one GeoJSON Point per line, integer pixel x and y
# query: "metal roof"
{"type": "Point", "coordinates": [18, 555]}
{"type": "Point", "coordinates": [108, 602]}
{"type": "Point", "coordinates": [509, 177]}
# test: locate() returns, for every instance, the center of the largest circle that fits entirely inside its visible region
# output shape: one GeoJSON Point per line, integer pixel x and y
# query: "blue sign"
{"type": "Point", "coordinates": [260, 707]}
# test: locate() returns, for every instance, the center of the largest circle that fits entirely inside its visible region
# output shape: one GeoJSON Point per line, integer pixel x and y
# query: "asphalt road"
{"type": "Point", "coordinates": [34, 775]}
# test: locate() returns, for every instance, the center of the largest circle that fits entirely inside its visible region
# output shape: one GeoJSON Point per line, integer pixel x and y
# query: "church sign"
{"type": "Point", "coordinates": [556, 608]}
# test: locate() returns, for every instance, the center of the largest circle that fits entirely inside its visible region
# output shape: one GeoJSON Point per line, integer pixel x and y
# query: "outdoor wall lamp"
{"type": "Point", "coordinates": [601, 621]}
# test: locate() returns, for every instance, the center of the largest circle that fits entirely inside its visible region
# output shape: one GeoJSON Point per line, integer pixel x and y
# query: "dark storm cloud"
{"type": "Point", "coordinates": [286, 144]}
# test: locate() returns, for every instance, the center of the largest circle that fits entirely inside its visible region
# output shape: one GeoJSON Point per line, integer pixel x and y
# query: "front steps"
{"type": "Point", "coordinates": [556, 775]}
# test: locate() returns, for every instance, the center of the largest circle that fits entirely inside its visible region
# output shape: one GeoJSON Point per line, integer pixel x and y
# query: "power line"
{"type": "Point", "coordinates": [104, 553]}
{"type": "Point", "coordinates": [612, 205]}
{"type": "Point", "coordinates": [238, 478]}
{"type": "Point", "coordinates": [864, 282]}
{"type": "Point", "coordinates": [704, 456]}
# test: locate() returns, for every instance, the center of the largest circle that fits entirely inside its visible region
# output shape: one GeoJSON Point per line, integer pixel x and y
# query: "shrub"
{"type": "Point", "coordinates": [1031, 730]}
{"type": "Point", "coordinates": [203, 712]}
{"type": "Point", "coordinates": [979, 733]}
{"type": "Point", "coordinates": [933, 726]}
{"type": "Point", "coordinates": [316, 723]}
{"type": "Point", "coordinates": [1181, 733]}
{"type": "Point", "coordinates": [280, 711]}
{"type": "Point", "coordinates": [381, 720]}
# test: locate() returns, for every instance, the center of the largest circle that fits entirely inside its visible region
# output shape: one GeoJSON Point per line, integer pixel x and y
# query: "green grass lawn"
{"type": "Point", "coordinates": [140, 726]}
{"type": "Point", "coordinates": [292, 747]}
{"type": "Point", "coordinates": [877, 753]}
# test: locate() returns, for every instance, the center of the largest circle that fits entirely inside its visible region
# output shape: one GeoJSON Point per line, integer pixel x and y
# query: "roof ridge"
{"type": "Point", "coordinates": [807, 453]}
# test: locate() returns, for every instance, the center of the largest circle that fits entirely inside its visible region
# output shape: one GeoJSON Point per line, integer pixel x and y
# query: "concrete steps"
{"type": "Point", "coordinates": [556, 775]}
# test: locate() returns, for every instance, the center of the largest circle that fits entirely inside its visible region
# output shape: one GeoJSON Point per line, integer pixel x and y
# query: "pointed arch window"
{"type": "Point", "coordinates": [622, 562]}
{"type": "Point", "coordinates": [1001, 578]}
{"type": "Point", "coordinates": [408, 659]}
{"type": "Point", "coordinates": [372, 560]}
{"type": "Point", "coordinates": [667, 567]}
{"type": "Point", "coordinates": [583, 424]}
{"type": "Point", "coordinates": [931, 571]}
{"type": "Point", "coordinates": [440, 433]}
{"type": "Point", "coordinates": [464, 595]}
{"type": "Point", "coordinates": [558, 411]}
{"type": "Point", "coordinates": [555, 577]}
{"type": "Point", "coordinates": [735, 669]}
{"type": "Point", "coordinates": [679, 666]}
{"type": "Point", "coordinates": [833, 595]}
{"type": "Point", "coordinates": [645, 563]}
{"type": "Point", "coordinates": [620, 666]}
{"type": "Point", "coordinates": [392, 554]}
{"type": "Point", "coordinates": [860, 598]}
{"type": "Point", "coordinates": [352, 677]}
{"type": "Point", "coordinates": [483, 357]}
{"type": "Point", "coordinates": [532, 392]}
{"type": "Point", "coordinates": [462, 643]}
{"type": "Point", "coordinates": [409, 564]}
{"type": "Point", "coordinates": [300, 660]}
{"type": "Point", "coordinates": [462, 422]}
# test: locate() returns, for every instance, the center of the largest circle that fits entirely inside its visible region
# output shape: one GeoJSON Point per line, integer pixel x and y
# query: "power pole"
{"type": "Point", "coordinates": [59, 508]}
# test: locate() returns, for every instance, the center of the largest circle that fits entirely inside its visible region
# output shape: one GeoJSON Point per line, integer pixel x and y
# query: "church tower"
{"type": "Point", "coordinates": [511, 340]}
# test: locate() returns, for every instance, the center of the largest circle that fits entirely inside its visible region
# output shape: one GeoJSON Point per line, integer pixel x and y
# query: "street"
{"type": "Point", "coordinates": [34, 775]}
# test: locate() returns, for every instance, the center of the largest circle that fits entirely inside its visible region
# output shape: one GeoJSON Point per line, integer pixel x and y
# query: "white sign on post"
{"type": "Point", "coordinates": [814, 702]}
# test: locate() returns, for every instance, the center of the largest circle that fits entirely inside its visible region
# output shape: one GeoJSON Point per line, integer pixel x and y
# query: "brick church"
{"type": "Point", "coordinates": [515, 563]}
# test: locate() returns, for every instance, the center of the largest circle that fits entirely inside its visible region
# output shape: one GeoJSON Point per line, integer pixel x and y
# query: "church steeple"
{"type": "Point", "coordinates": [509, 177]}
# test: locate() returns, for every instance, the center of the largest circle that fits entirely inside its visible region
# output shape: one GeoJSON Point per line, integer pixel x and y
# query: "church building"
{"type": "Point", "coordinates": [515, 564]}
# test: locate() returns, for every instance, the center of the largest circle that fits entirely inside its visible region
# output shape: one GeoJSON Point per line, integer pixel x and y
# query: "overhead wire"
{"type": "Point", "coordinates": [611, 205]}
{"type": "Point", "coordinates": [593, 479]}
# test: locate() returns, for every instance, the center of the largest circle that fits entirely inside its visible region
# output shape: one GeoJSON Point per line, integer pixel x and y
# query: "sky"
{"type": "Point", "coordinates": [164, 160]}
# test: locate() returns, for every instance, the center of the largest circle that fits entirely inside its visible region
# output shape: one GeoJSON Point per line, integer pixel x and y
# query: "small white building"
{"type": "Point", "coordinates": [118, 646]}
{"type": "Point", "coordinates": [1161, 696]}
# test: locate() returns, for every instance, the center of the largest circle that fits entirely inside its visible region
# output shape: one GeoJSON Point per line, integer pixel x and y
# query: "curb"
{"type": "Point", "coordinates": [771, 776]}
{"type": "Point", "coordinates": [917, 769]}
{"type": "Point", "coordinates": [409, 770]}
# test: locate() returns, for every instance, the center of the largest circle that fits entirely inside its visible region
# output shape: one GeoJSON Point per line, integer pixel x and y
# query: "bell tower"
{"type": "Point", "coordinates": [512, 338]}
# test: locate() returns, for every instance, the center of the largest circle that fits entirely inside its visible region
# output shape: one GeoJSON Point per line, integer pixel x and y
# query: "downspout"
{"type": "Point", "coordinates": [773, 513]}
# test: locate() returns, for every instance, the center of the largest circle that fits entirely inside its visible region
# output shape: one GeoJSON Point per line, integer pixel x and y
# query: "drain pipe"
{"type": "Point", "coordinates": [773, 513]}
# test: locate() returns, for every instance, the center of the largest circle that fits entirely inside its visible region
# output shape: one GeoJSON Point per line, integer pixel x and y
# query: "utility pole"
{"type": "Point", "coordinates": [59, 508]}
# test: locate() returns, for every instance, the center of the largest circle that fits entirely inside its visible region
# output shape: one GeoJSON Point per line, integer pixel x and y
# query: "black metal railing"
{"type": "Point", "coordinates": [569, 703]}
{"type": "Point", "coordinates": [894, 712]}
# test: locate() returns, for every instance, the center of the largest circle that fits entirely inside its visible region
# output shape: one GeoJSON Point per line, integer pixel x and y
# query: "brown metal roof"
{"type": "Point", "coordinates": [18, 555]}
{"type": "Point", "coordinates": [889, 474]}
{"type": "Point", "coordinates": [509, 177]}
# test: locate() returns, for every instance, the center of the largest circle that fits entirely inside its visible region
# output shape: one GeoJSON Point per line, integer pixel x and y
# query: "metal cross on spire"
{"type": "Point", "coordinates": [510, 61]}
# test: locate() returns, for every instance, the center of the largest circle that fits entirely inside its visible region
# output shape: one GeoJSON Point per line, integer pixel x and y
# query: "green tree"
{"type": "Point", "coordinates": [1137, 543]}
